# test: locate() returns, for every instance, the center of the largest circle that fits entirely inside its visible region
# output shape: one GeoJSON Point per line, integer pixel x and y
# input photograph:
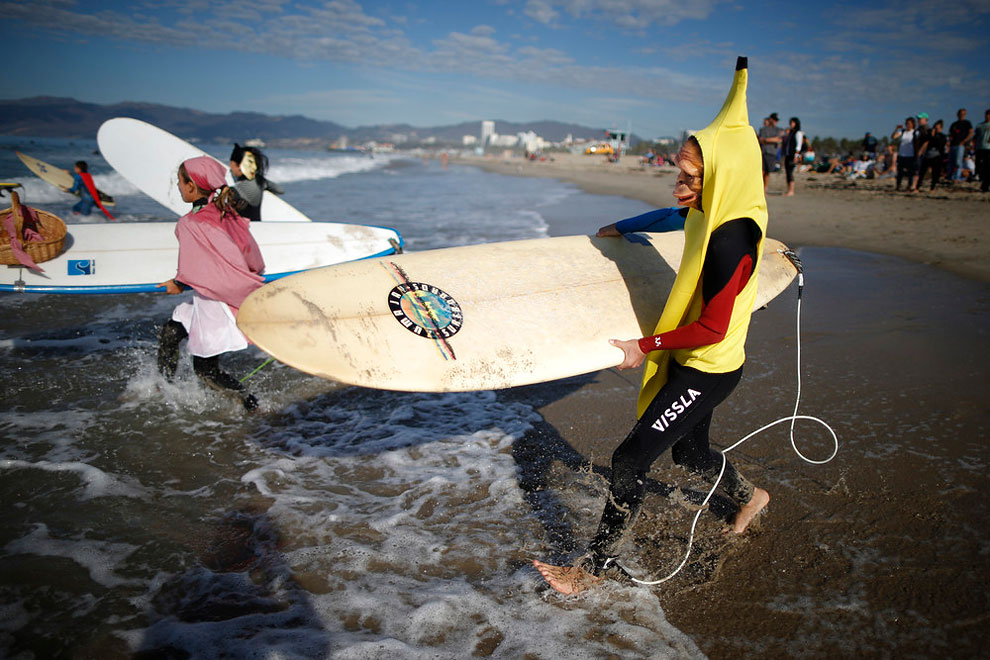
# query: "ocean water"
{"type": "Point", "coordinates": [150, 519]}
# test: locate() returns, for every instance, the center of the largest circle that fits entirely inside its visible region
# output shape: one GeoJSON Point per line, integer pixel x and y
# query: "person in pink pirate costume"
{"type": "Point", "coordinates": [222, 263]}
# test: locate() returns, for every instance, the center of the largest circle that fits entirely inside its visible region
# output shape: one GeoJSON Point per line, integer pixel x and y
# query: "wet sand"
{"type": "Point", "coordinates": [880, 553]}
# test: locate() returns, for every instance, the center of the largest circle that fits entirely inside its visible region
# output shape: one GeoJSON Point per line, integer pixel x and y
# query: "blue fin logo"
{"type": "Point", "coordinates": [82, 266]}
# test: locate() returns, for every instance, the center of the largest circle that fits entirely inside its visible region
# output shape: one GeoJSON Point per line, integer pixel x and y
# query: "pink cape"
{"type": "Point", "coordinates": [94, 193]}
{"type": "Point", "coordinates": [212, 261]}
{"type": "Point", "coordinates": [29, 235]}
{"type": "Point", "coordinates": [218, 256]}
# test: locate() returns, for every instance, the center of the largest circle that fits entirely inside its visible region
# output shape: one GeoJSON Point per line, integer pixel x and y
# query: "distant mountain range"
{"type": "Point", "coordinates": [46, 116]}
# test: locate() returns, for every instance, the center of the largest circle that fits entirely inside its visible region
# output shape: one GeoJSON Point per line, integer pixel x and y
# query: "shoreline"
{"type": "Point", "coordinates": [947, 228]}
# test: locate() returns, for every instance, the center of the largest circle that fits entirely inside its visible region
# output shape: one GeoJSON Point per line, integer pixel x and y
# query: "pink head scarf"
{"type": "Point", "coordinates": [206, 173]}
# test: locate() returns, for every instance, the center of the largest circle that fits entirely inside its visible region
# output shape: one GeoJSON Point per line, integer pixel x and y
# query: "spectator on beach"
{"type": "Point", "coordinates": [931, 155]}
{"type": "Point", "coordinates": [903, 135]}
{"type": "Point", "coordinates": [884, 167]}
{"type": "Point", "coordinates": [870, 145]}
{"type": "Point", "coordinates": [808, 158]}
{"type": "Point", "coordinates": [834, 165]}
{"type": "Point", "coordinates": [793, 143]}
{"type": "Point", "coordinates": [862, 168]}
{"type": "Point", "coordinates": [770, 139]}
{"type": "Point", "coordinates": [982, 143]}
{"type": "Point", "coordinates": [891, 168]}
{"type": "Point", "coordinates": [959, 134]}
{"type": "Point", "coordinates": [969, 166]}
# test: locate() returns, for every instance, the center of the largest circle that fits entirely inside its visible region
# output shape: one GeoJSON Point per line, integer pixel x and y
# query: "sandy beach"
{"type": "Point", "coordinates": [947, 228]}
{"type": "Point", "coordinates": [881, 552]}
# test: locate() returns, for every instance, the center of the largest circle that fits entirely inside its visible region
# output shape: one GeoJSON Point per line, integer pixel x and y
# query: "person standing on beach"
{"type": "Point", "coordinates": [793, 142]}
{"type": "Point", "coordinates": [249, 167]}
{"type": "Point", "coordinates": [904, 136]}
{"type": "Point", "coordinates": [931, 154]}
{"type": "Point", "coordinates": [982, 141]}
{"type": "Point", "coordinates": [695, 360]}
{"type": "Point", "coordinates": [222, 263]}
{"type": "Point", "coordinates": [769, 137]}
{"type": "Point", "coordinates": [960, 133]}
{"type": "Point", "coordinates": [870, 145]}
{"type": "Point", "coordinates": [922, 135]}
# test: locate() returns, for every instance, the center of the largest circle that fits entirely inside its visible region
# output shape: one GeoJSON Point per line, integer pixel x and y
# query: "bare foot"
{"type": "Point", "coordinates": [749, 510]}
{"type": "Point", "coordinates": [566, 579]}
{"type": "Point", "coordinates": [788, 194]}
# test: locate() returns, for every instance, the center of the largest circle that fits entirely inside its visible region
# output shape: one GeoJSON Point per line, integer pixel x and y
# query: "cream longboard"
{"type": "Point", "coordinates": [478, 317]}
{"type": "Point", "coordinates": [149, 157]}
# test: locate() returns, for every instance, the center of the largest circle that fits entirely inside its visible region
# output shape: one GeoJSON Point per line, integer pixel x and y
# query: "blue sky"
{"type": "Point", "coordinates": [657, 66]}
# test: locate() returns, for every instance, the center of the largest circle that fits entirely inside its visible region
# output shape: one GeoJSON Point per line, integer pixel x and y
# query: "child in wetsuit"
{"type": "Point", "coordinates": [85, 204]}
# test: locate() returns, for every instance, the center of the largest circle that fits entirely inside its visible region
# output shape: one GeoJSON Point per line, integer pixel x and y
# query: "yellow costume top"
{"type": "Point", "coordinates": [732, 189]}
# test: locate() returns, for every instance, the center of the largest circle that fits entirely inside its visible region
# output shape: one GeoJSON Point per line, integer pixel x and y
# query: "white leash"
{"type": "Point", "coordinates": [792, 419]}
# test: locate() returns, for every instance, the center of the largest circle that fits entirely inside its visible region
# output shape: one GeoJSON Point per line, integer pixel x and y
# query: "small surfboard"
{"type": "Point", "coordinates": [478, 317]}
{"type": "Point", "coordinates": [57, 176]}
{"type": "Point", "coordinates": [149, 157]}
{"type": "Point", "coordinates": [133, 257]}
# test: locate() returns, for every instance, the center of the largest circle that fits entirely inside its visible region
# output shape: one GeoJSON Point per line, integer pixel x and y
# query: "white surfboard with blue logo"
{"type": "Point", "coordinates": [133, 257]}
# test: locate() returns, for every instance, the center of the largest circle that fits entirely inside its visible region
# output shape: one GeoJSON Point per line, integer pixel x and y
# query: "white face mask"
{"type": "Point", "coordinates": [248, 165]}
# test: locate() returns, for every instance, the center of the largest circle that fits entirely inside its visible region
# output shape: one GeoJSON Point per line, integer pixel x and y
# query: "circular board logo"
{"type": "Point", "coordinates": [425, 310]}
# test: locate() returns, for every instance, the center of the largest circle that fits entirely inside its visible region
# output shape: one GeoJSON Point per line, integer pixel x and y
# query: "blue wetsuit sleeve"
{"type": "Point", "coordinates": [659, 220]}
{"type": "Point", "coordinates": [77, 184]}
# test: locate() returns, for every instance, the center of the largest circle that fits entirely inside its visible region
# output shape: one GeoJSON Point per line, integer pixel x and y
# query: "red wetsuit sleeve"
{"type": "Point", "coordinates": [711, 326]}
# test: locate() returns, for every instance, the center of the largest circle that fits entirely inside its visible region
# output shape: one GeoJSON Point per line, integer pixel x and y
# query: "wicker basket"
{"type": "Point", "coordinates": [50, 226]}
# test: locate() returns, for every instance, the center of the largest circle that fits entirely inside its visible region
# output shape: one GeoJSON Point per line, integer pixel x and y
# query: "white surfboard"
{"type": "Point", "coordinates": [133, 257]}
{"type": "Point", "coordinates": [478, 317]}
{"type": "Point", "coordinates": [149, 157]}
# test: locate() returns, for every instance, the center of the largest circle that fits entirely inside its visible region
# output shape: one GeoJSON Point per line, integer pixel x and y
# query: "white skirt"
{"type": "Point", "coordinates": [211, 326]}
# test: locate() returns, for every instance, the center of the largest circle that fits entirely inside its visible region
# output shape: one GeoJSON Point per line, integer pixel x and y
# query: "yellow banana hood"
{"type": "Point", "coordinates": [733, 188]}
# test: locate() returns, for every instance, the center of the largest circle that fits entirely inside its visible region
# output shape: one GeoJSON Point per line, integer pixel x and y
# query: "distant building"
{"type": "Point", "coordinates": [497, 140]}
{"type": "Point", "coordinates": [487, 131]}
{"type": "Point", "coordinates": [469, 140]}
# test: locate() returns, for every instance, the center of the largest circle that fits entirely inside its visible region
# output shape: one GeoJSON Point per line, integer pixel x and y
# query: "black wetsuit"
{"type": "Point", "coordinates": [680, 415]}
{"type": "Point", "coordinates": [250, 193]}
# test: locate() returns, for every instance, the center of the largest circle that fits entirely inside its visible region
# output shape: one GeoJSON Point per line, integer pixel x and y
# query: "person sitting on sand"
{"type": "Point", "coordinates": [695, 360]}
{"type": "Point", "coordinates": [835, 165]}
{"type": "Point", "coordinates": [222, 263]}
{"type": "Point", "coordinates": [862, 168]}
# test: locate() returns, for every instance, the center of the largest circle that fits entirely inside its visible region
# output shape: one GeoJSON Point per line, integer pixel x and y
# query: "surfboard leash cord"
{"type": "Point", "coordinates": [257, 369]}
{"type": "Point", "coordinates": [792, 256]}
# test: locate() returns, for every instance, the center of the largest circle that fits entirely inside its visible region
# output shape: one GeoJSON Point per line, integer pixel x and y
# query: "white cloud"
{"type": "Point", "coordinates": [631, 15]}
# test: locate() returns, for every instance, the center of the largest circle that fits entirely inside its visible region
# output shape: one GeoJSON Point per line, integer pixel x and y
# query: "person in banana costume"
{"type": "Point", "coordinates": [695, 358]}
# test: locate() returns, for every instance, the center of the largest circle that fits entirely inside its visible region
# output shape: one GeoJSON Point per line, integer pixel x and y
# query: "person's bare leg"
{"type": "Point", "coordinates": [566, 579]}
{"type": "Point", "coordinates": [749, 510]}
